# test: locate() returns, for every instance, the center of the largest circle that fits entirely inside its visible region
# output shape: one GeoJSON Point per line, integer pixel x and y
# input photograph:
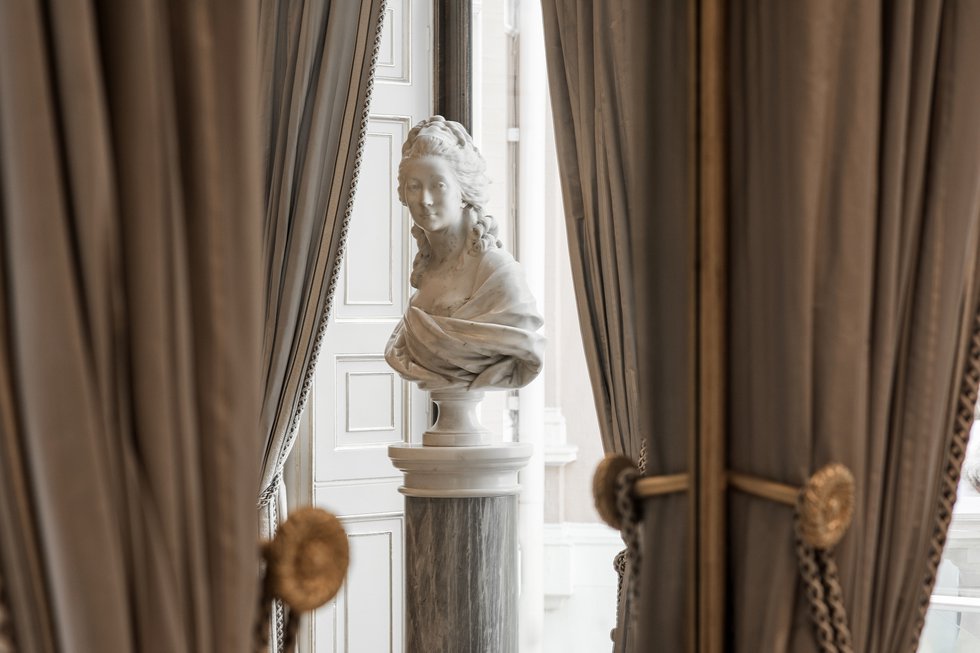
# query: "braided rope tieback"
{"type": "Point", "coordinates": [823, 514]}
{"type": "Point", "coordinates": [305, 566]}
{"type": "Point", "coordinates": [629, 508]}
{"type": "Point", "coordinates": [621, 561]}
{"type": "Point", "coordinates": [612, 489]}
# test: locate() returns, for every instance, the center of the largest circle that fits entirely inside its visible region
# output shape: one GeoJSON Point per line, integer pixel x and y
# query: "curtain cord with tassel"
{"type": "Point", "coordinates": [823, 509]}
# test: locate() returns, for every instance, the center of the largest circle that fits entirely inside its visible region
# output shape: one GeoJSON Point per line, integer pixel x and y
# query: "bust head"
{"type": "Point", "coordinates": [448, 141]}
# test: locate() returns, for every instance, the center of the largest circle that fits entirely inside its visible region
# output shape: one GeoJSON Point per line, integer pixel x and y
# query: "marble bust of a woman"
{"type": "Point", "coordinates": [472, 324]}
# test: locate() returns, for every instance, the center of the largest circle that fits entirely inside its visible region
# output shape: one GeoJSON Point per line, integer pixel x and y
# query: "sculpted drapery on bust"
{"type": "Point", "coordinates": [473, 323]}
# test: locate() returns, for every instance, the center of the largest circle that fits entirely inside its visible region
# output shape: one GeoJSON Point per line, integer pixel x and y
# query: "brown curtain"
{"type": "Point", "coordinates": [130, 341]}
{"type": "Point", "coordinates": [6, 634]}
{"type": "Point", "coordinates": [619, 92]}
{"type": "Point", "coordinates": [854, 176]}
{"type": "Point", "coordinates": [317, 61]}
{"type": "Point", "coordinates": [853, 169]}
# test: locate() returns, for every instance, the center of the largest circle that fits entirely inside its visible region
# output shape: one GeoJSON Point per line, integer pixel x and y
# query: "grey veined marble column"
{"type": "Point", "coordinates": [461, 535]}
{"type": "Point", "coordinates": [461, 574]}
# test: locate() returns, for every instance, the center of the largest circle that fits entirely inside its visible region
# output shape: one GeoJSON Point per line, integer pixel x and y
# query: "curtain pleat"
{"type": "Point", "coordinates": [129, 378]}
{"type": "Point", "coordinates": [6, 634]}
{"type": "Point", "coordinates": [855, 196]}
{"type": "Point", "coordinates": [622, 139]}
{"type": "Point", "coordinates": [317, 61]}
{"type": "Point", "coordinates": [24, 582]}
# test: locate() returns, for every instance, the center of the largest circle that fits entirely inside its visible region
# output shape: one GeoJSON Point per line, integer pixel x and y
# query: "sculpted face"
{"type": "Point", "coordinates": [433, 195]}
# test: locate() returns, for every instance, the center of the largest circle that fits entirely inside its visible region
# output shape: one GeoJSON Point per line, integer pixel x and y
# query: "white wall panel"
{"type": "Point", "coordinates": [370, 598]}
{"type": "Point", "coordinates": [375, 264]}
{"type": "Point", "coordinates": [359, 408]}
{"type": "Point", "coordinates": [369, 404]}
{"type": "Point", "coordinates": [395, 54]}
{"type": "Point", "coordinates": [372, 233]}
{"type": "Point", "coordinates": [366, 616]}
{"type": "Point", "coordinates": [361, 496]}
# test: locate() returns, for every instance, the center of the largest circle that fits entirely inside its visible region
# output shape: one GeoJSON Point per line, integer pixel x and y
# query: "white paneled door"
{"type": "Point", "coordinates": [359, 405]}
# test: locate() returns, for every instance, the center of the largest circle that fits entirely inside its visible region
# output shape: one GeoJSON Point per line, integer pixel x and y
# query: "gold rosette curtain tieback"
{"type": "Point", "coordinates": [823, 509]}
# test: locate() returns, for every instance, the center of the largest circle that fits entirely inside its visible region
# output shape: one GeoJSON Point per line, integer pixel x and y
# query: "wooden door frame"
{"type": "Point", "coordinates": [709, 457]}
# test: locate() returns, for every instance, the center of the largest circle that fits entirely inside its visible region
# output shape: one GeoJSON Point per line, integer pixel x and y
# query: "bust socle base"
{"type": "Point", "coordinates": [457, 424]}
{"type": "Point", "coordinates": [461, 545]}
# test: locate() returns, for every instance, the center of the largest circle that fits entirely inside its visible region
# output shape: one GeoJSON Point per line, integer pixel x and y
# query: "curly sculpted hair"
{"type": "Point", "coordinates": [437, 136]}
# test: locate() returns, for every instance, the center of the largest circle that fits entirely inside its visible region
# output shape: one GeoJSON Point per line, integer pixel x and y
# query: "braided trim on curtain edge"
{"type": "Point", "coordinates": [269, 491]}
{"type": "Point", "coordinates": [966, 404]}
{"type": "Point", "coordinates": [6, 627]}
{"type": "Point", "coordinates": [286, 626]}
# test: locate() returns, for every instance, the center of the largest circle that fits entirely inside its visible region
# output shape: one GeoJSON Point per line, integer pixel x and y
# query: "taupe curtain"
{"type": "Point", "coordinates": [131, 332]}
{"type": "Point", "coordinates": [6, 634]}
{"type": "Point", "coordinates": [317, 60]}
{"type": "Point", "coordinates": [854, 176]}
{"type": "Point", "coordinates": [619, 92]}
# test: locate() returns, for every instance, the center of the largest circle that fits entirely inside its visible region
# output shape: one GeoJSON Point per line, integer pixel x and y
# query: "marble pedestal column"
{"type": "Point", "coordinates": [461, 574]}
{"type": "Point", "coordinates": [461, 544]}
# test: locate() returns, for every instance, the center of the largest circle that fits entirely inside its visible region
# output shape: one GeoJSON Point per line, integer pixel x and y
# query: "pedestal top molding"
{"type": "Point", "coordinates": [481, 471]}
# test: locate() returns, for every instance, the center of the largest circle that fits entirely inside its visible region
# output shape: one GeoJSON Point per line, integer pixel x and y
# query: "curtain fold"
{"type": "Point", "coordinates": [129, 349]}
{"type": "Point", "coordinates": [316, 63]}
{"type": "Point", "coordinates": [621, 131]}
{"type": "Point", "coordinates": [6, 635]}
{"type": "Point", "coordinates": [854, 176]}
